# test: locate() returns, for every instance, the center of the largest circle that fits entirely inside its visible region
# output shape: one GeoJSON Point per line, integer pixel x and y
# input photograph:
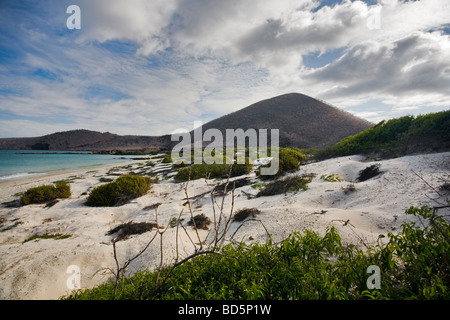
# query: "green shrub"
{"type": "Point", "coordinates": [416, 262]}
{"type": "Point", "coordinates": [119, 192]}
{"type": "Point", "coordinates": [193, 172]}
{"type": "Point", "coordinates": [331, 177]}
{"type": "Point", "coordinates": [46, 193]}
{"type": "Point", "coordinates": [200, 221]}
{"type": "Point", "coordinates": [289, 159]}
{"type": "Point", "coordinates": [167, 159]}
{"type": "Point", "coordinates": [213, 171]}
{"type": "Point", "coordinates": [258, 185]}
{"type": "Point", "coordinates": [289, 184]}
{"type": "Point", "coordinates": [414, 265]}
{"type": "Point", "coordinates": [62, 190]}
{"type": "Point", "coordinates": [397, 136]}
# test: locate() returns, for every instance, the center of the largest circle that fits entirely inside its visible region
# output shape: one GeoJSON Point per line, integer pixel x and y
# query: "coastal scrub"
{"type": "Point", "coordinates": [119, 192]}
{"type": "Point", "coordinates": [46, 193]}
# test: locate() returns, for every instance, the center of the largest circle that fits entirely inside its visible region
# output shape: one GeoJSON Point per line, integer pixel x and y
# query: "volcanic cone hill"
{"type": "Point", "coordinates": [303, 121]}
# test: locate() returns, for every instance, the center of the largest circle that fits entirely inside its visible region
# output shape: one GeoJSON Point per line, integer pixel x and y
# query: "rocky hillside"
{"type": "Point", "coordinates": [303, 121]}
{"type": "Point", "coordinates": [85, 140]}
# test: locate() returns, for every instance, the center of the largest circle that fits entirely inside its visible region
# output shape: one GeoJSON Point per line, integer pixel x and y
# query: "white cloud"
{"type": "Point", "coordinates": [412, 67]}
{"type": "Point", "coordinates": [175, 61]}
{"type": "Point", "coordinates": [139, 21]}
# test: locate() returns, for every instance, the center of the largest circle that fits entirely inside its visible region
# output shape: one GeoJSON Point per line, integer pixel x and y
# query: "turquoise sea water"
{"type": "Point", "coordinates": [16, 164]}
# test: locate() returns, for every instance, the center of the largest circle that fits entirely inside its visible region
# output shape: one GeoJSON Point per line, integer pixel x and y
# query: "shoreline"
{"type": "Point", "coordinates": [32, 178]}
{"type": "Point", "coordinates": [37, 164]}
{"type": "Point", "coordinates": [37, 269]}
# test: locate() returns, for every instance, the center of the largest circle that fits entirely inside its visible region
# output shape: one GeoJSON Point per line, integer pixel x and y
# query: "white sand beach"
{"type": "Point", "coordinates": [37, 269]}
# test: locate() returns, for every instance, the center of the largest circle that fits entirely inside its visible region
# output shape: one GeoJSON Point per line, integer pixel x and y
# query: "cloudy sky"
{"type": "Point", "coordinates": [152, 66]}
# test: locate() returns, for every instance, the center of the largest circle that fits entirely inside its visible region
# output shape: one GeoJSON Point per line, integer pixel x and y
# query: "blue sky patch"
{"type": "Point", "coordinates": [316, 60]}
{"type": "Point", "coordinates": [46, 74]}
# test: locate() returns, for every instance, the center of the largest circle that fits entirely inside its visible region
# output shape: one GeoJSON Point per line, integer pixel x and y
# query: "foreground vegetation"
{"type": "Point", "coordinates": [414, 264]}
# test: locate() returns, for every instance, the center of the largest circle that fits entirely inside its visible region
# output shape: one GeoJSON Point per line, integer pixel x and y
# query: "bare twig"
{"type": "Point", "coordinates": [346, 222]}
{"type": "Point", "coordinates": [118, 269]}
{"type": "Point", "coordinates": [227, 223]}
{"type": "Point", "coordinates": [176, 234]}
{"type": "Point", "coordinates": [426, 182]}
{"type": "Point", "coordinates": [435, 225]}
{"type": "Point", "coordinates": [121, 270]}
{"type": "Point", "coordinates": [247, 220]}
{"type": "Point", "coordinates": [192, 214]}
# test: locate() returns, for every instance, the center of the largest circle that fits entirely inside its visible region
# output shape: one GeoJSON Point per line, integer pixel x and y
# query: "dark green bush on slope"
{"type": "Point", "coordinates": [46, 193]}
{"type": "Point", "coordinates": [119, 192]}
{"type": "Point", "coordinates": [414, 264]}
{"type": "Point", "coordinates": [369, 172]}
{"type": "Point", "coordinates": [290, 159]}
{"type": "Point", "coordinates": [399, 136]}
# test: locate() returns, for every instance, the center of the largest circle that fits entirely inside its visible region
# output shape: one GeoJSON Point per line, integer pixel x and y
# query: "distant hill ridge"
{"type": "Point", "coordinates": [303, 122]}
{"type": "Point", "coordinates": [85, 140]}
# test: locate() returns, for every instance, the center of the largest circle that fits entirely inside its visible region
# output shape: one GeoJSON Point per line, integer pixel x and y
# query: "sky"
{"type": "Point", "coordinates": [145, 67]}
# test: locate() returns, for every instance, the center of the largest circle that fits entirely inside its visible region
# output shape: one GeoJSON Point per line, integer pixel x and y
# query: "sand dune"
{"type": "Point", "coordinates": [38, 269]}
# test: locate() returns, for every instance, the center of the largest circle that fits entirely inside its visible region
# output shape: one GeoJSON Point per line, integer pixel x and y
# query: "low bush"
{"type": "Point", "coordinates": [126, 229]}
{"type": "Point", "coordinates": [46, 193]}
{"type": "Point", "coordinates": [213, 171]}
{"type": "Point", "coordinates": [258, 185]}
{"type": "Point", "coordinates": [200, 221]}
{"type": "Point", "coordinates": [243, 214]}
{"type": "Point", "coordinates": [57, 236]}
{"type": "Point", "coordinates": [289, 159]}
{"type": "Point", "coordinates": [369, 172]}
{"type": "Point", "coordinates": [167, 159]}
{"type": "Point", "coordinates": [119, 192]}
{"type": "Point", "coordinates": [280, 186]}
{"type": "Point", "coordinates": [219, 190]}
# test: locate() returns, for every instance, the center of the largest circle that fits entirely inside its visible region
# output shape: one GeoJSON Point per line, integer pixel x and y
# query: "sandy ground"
{"type": "Point", "coordinates": [38, 269]}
